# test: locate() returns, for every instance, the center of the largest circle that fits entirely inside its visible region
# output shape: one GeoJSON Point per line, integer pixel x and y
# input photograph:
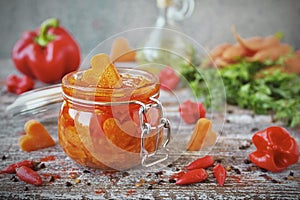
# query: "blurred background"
{"type": "Point", "coordinates": [92, 21]}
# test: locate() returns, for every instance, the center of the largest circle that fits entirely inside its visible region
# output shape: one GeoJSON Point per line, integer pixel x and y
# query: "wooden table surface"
{"type": "Point", "coordinates": [64, 179]}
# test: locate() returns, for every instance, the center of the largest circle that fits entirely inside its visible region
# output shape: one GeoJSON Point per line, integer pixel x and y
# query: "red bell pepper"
{"type": "Point", "coordinates": [168, 78]}
{"type": "Point", "coordinates": [276, 149]}
{"type": "Point", "coordinates": [190, 111]}
{"type": "Point", "coordinates": [19, 84]}
{"type": "Point", "coordinates": [46, 54]}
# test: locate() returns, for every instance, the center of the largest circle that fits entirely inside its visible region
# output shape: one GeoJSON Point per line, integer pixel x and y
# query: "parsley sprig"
{"type": "Point", "coordinates": [253, 85]}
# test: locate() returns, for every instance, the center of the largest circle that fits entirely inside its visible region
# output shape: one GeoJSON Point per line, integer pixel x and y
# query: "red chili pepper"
{"type": "Point", "coordinates": [190, 111]}
{"type": "Point", "coordinates": [46, 54]}
{"type": "Point", "coordinates": [220, 174]}
{"type": "Point", "coordinates": [12, 168]}
{"type": "Point", "coordinates": [203, 162]}
{"type": "Point", "coordinates": [28, 175]}
{"type": "Point", "coordinates": [19, 84]}
{"type": "Point", "coordinates": [177, 176]}
{"type": "Point", "coordinates": [168, 78]}
{"type": "Point", "coordinates": [193, 176]}
{"type": "Point", "coordinates": [276, 149]}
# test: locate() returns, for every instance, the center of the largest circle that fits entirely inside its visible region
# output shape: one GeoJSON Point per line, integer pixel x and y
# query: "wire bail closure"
{"type": "Point", "coordinates": [147, 129]}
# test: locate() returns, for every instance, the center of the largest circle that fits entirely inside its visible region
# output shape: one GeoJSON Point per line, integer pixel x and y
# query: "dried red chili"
{"type": "Point", "coordinates": [12, 168]}
{"type": "Point", "coordinates": [193, 176]}
{"type": "Point", "coordinates": [28, 175]}
{"type": "Point", "coordinates": [276, 149]}
{"type": "Point", "coordinates": [204, 162]}
{"type": "Point", "coordinates": [220, 174]}
{"type": "Point", "coordinates": [190, 111]}
{"type": "Point", "coordinates": [19, 84]}
{"type": "Point", "coordinates": [177, 176]}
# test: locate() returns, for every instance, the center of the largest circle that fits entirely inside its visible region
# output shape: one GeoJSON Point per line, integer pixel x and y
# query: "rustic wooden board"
{"type": "Point", "coordinates": [64, 179]}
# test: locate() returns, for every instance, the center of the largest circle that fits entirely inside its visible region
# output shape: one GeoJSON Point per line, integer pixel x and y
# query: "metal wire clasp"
{"type": "Point", "coordinates": [147, 129]}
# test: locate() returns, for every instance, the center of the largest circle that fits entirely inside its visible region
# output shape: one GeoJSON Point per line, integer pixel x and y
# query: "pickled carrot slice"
{"type": "Point", "coordinates": [102, 73]}
{"type": "Point", "coordinates": [121, 51]}
{"type": "Point", "coordinates": [83, 132]}
{"type": "Point", "coordinates": [122, 135]}
{"type": "Point", "coordinates": [36, 137]}
{"type": "Point", "coordinates": [202, 136]}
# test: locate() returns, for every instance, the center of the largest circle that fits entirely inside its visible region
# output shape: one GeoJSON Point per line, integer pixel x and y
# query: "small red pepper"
{"type": "Point", "coordinates": [276, 149]}
{"type": "Point", "coordinates": [46, 54]}
{"type": "Point", "coordinates": [168, 78]}
{"type": "Point", "coordinates": [193, 176]}
{"type": "Point", "coordinates": [190, 111]}
{"type": "Point", "coordinates": [204, 162]}
{"type": "Point", "coordinates": [177, 175]}
{"type": "Point", "coordinates": [11, 169]}
{"type": "Point", "coordinates": [28, 175]}
{"type": "Point", "coordinates": [220, 174]}
{"type": "Point", "coordinates": [19, 84]}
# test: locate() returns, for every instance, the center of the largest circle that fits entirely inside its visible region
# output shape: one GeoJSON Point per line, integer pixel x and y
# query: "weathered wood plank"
{"type": "Point", "coordinates": [71, 181]}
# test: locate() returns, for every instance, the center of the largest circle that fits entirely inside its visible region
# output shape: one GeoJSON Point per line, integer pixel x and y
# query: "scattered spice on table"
{"type": "Point", "coordinates": [140, 183]}
{"type": "Point", "coordinates": [269, 178]}
{"type": "Point", "coordinates": [245, 145]}
{"type": "Point", "coordinates": [99, 191]}
{"type": "Point", "coordinates": [47, 158]}
{"type": "Point", "coordinates": [68, 184]}
{"type": "Point", "coordinates": [4, 157]}
{"type": "Point", "coordinates": [130, 192]}
{"type": "Point", "coordinates": [86, 171]}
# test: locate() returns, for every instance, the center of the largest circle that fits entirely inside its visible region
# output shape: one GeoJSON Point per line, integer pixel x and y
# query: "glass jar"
{"type": "Point", "coordinates": [112, 128]}
{"type": "Point", "coordinates": [166, 44]}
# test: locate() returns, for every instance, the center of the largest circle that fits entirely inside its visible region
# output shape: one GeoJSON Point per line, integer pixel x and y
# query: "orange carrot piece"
{"type": "Point", "coordinates": [36, 137]}
{"type": "Point", "coordinates": [218, 50]}
{"type": "Point", "coordinates": [293, 63]}
{"type": "Point", "coordinates": [271, 53]}
{"type": "Point", "coordinates": [102, 73]}
{"type": "Point", "coordinates": [234, 52]}
{"type": "Point", "coordinates": [202, 136]}
{"type": "Point", "coordinates": [121, 51]}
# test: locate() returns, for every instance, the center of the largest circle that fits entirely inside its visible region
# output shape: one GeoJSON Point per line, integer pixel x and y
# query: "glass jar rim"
{"type": "Point", "coordinates": [94, 93]}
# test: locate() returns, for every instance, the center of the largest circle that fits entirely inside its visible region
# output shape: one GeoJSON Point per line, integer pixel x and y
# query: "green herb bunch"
{"type": "Point", "coordinates": [261, 87]}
